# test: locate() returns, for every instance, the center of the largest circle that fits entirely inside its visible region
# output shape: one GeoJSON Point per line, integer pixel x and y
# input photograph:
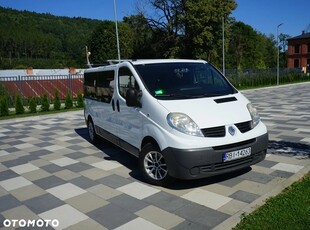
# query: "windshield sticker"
{"type": "Point", "coordinates": [159, 92]}
{"type": "Point", "coordinates": [179, 72]}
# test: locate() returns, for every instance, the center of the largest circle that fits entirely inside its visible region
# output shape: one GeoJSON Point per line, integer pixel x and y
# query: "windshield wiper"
{"type": "Point", "coordinates": [213, 94]}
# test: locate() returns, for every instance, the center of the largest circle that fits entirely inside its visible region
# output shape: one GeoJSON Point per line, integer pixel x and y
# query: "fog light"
{"type": "Point", "coordinates": [194, 171]}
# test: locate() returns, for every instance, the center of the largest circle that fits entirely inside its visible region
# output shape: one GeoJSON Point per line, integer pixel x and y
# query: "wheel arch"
{"type": "Point", "coordinates": [149, 139]}
{"type": "Point", "coordinates": [89, 118]}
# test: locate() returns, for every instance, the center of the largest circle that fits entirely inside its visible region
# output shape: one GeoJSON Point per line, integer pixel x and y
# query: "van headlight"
{"type": "Point", "coordinates": [184, 124]}
{"type": "Point", "coordinates": [254, 114]}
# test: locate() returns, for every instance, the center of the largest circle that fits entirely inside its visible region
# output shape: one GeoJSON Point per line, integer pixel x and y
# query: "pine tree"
{"type": "Point", "coordinates": [68, 101]}
{"type": "Point", "coordinates": [4, 106]}
{"type": "Point", "coordinates": [80, 101]}
{"type": "Point", "coordinates": [19, 107]}
{"type": "Point", "coordinates": [45, 106]}
{"type": "Point", "coordinates": [32, 105]}
{"type": "Point", "coordinates": [56, 101]}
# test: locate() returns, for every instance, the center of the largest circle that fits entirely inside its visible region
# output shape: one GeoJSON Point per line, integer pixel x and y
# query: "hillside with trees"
{"type": "Point", "coordinates": [42, 40]}
{"type": "Point", "coordinates": [179, 29]}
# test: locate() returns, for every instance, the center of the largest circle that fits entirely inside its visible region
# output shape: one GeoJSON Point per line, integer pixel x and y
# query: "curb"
{"type": "Point", "coordinates": [39, 117]}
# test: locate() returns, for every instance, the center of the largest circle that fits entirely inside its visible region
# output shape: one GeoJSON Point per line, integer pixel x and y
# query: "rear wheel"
{"type": "Point", "coordinates": [91, 131]}
{"type": "Point", "coordinates": [153, 165]}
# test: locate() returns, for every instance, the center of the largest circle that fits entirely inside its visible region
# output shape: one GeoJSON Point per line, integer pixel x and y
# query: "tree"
{"type": "Point", "coordinates": [19, 107]}
{"type": "Point", "coordinates": [57, 100]}
{"type": "Point", "coordinates": [103, 42]}
{"type": "Point", "coordinates": [270, 51]}
{"type": "Point", "coordinates": [68, 101]}
{"type": "Point", "coordinates": [32, 105]}
{"type": "Point", "coordinates": [45, 105]}
{"type": "Point", "coordinates": [190, 28]}
{"type": "Point", "coordinates": [168, 26]}
{"type": "Point", "coordinates": [283, 49]}
{"type": "Point", "coordinates": [42, 40]}
{"type": "Point", "coordinates": [4, 106]}
{"type": "Point", "coordinates": [143, 36]}
{"type": "Point", "coordinates": [203, 28]}
{"type": "Point", "coordinates": [249, 49]}
{"type": "Point", "coordinates": [80, 101]}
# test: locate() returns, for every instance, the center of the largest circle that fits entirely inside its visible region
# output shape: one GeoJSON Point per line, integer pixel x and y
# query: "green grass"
{"type": "Point", "coordinates": [289, 210]}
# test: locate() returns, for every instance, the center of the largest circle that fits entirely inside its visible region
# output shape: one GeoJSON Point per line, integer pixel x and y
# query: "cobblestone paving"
{"type": "Point", "coordinates": [49, 170]}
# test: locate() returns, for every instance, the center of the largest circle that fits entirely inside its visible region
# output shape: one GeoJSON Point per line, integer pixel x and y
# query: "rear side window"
{"type": "Point", "coordinates": [99, 85]}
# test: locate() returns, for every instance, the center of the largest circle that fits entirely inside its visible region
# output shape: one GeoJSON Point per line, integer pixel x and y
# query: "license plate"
{"type": "Point", "coordinates": [236, 154]}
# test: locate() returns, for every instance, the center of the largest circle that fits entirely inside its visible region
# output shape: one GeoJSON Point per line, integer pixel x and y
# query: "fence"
{"type": "Point", "coordinates": [36, 86]}
{"type": "Point", "coordinates": [248, 78]}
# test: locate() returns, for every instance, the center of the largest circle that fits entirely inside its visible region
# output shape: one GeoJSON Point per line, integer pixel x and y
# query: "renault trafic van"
{"type": "Point", "coordinates": [181, 118]}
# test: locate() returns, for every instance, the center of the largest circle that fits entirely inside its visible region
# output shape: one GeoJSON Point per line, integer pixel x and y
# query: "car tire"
{"type": "Point", "coordinates": [91, 131]}
{"type": "Point", "coordinates": [153, 165]}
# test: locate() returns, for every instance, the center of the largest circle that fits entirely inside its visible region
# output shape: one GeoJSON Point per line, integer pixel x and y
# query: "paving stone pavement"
{"type": "Point", "coordinates": [49, 170]}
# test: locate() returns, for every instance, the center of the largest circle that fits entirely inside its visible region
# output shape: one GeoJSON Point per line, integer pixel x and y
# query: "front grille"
{"type": "Point", "coordinates": [214, 132]}
{"type": "Point", "coordinates": [244, 126]}
{"type": "Point", "coordinates": [226, 165]}
{"type": "Point", "coordinates": [220, 131]}
{"type": "Point", "coordinates": [235, 145]}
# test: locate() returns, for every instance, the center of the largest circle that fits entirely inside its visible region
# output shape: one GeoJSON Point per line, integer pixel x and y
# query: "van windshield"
{"type": "Point", "coordinates": [172, 81]}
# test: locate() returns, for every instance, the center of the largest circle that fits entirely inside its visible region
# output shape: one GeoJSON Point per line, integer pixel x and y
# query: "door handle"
{"type": "Point", "coordinates": [113, 105]}
{"type": "Point", "coordinates": [117, 106]}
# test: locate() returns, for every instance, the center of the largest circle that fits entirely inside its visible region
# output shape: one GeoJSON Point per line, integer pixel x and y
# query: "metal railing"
{"type": "Point", "coordinates": [250, 78]}
{"type": "Point", "coordinates": [37, 85]}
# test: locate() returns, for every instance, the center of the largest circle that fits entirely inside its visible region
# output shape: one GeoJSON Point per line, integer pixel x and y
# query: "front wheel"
{"type": "Point", "coordinates": [153, 165]}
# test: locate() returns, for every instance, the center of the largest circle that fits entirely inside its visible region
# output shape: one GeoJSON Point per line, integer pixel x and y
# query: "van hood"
{"type": "Point", "coordinates": [211, 112]}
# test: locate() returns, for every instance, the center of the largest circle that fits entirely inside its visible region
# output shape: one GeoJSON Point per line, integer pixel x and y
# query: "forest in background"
{"type": "Point", "coordinates": [29, 39]}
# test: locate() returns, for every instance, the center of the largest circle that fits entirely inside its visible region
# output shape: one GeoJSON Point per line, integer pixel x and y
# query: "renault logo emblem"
{"type": "Point", "coordinates": [231, 130]}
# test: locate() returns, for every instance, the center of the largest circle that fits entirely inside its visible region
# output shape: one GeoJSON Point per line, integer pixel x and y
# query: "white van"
{"type": "Point", "coordinates": [181, 118]}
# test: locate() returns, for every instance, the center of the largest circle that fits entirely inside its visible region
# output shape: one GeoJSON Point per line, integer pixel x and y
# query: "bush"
{"type": "Point", "coordinates": [68, 101]}
{"type": "Point", "coordinates": [32, 105]}
{"type": "Point", "coordinates": [19, 106]}
{"type": "Point", "coordinates": [80, 101]}
{"type": "Point", "coordinates": [45, 106]}
{"type": "Point", "coordinates": [57, 100]}
{"type": "Point", "coordinates": [4, 106]}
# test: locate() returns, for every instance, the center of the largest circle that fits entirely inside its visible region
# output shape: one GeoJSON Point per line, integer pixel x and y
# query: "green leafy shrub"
{"type": "Point", "coordinates": [45, 106]}
{"type": "Point", "coordinates": [57, 100]}
{"type": "Point", "coordinates": [68, 101]}
{"type": "Point", "coordinates": [4, 106]}
{"type": "Point", "coordinates": [80, 101]}
{"type": "Point", "coordinates": [32, 105]}
{"type": "Point", "coordinates": [19, 106]}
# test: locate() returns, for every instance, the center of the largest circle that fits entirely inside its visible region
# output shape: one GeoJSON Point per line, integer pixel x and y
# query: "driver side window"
{"type": "Point", "coordinates": [126, 81]}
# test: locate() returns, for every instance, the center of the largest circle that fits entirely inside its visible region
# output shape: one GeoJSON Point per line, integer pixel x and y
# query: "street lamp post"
{"type": "Point", "coordinates": [223, 44]}
{"type": "Point", "coordinates": [278, 53]}
{"type": "Point", "coordinates": [116, 31]}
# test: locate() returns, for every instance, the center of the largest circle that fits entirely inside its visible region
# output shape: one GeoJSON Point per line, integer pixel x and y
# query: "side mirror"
{"type": "Point", "coordinates": [132, 98]}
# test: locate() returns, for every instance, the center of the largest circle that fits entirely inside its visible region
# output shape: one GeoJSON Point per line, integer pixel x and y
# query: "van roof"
{"type": "Point", "coordinates": [111, 64]}
{"type": "Point", "coordinates": [157, 61]}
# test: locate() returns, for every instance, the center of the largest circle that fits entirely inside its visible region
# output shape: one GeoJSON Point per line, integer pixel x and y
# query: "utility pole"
{"type": "Point", "coordinates": [116, 29]}
{"type": "Point", "coordinates": [223, 48]}
{"type": "Point", "coordinates": [278, 72]}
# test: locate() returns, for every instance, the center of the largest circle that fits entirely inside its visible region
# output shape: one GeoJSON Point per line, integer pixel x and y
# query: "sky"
{"type": "Point", "coordinates": [263, 15]}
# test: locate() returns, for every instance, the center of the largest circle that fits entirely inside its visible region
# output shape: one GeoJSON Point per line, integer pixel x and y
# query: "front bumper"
{"type": "Point", "coordinates": [206, 162]}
